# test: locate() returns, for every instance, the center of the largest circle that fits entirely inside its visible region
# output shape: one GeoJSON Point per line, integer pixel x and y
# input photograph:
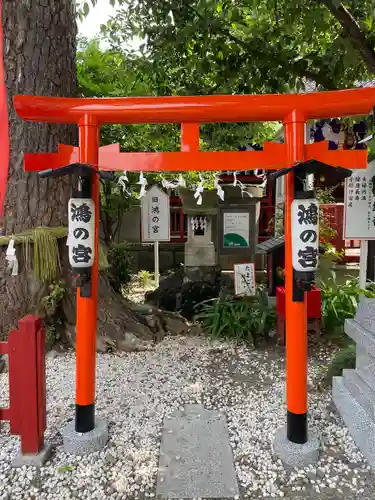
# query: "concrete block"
{"type": "Point", "coordinates": [195, 456]}
{"type": "Point", "coordinates": [360, 391]}
{"type": "Point", "coordinates": [362, 337]}
{"type": "Point", "coordinates": [361, 426]}
{"type": "Point", "coordinates": [296, 455]}
{"type": "Point", "coordinates": [77, 443]}
{"type": "Point", "coordinates": [33, 460]}
{"type": "Point", "coordinates": [365, 314]}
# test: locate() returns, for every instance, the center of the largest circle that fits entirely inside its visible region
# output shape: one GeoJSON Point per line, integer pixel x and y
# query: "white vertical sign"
{"type": "Point", "coordinates": [360, 205]}
{"type": "Point", "coordinates": [305, 234]}
{"type": "Point", "coordinates": [155, 216]}
{"type": "Point", "coordinates": [244, 279]}
{"type": "Point", "coordinates": [81, 232]}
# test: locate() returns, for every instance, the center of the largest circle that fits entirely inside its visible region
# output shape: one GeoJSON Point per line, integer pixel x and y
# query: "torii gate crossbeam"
{"type": "Point", "coordinates": [292, 109]}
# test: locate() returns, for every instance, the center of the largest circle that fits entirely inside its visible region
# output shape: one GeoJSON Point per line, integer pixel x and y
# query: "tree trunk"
{"type": "Point", "coordinates": [39, 59]}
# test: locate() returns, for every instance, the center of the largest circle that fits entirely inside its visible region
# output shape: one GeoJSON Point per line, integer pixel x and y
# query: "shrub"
{"type": "Point", "coordinates": [344, 359]}
{"type": "Point", "coordinates": [249, 319]}
{"type": "Point", "coordinates": [121, 261]}
{"type": "Point", "coordinates": [339, 302]}
{"type": "Point", "coordinates": [145, 279]}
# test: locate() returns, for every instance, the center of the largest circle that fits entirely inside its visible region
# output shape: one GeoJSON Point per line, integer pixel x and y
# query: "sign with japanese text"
{"type": "Point", "coordinates": [305, 234]}
{"type": "Point", "coordinates": [244, 279]}
{"type": "Point", "coordinates": [236, 229]}
{"type": "Point", "coordinates": [359, 206]}
{"type": "Point", "coordinates": [81, 233]}
{"type": "Point", "coordinates": [155, 215]}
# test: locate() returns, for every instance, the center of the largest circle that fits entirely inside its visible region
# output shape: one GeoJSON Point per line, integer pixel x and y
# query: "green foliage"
{"type": "Point", "coordinates": [56, 294]}
{"type": "Point", "coordinates": [344, 359]}
{"type": "Point", "coordinates": [244, 320]}
{"type": "Point", "coordinates": [339, 302]}
{"type": "Point", "coordinates": [145, 279]}
{"type": "Point", "coordinates": [121, 263]}
{"type": "Point", "coordinates": [120, 72]}
{"type": "Point", "coordinates": [211, 46]}
{"type": "Point", "coordinates": [53, 320]}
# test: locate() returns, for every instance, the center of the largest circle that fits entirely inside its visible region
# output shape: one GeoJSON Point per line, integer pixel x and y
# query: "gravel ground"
{"type": "Point", "coordinates": [136, 391]}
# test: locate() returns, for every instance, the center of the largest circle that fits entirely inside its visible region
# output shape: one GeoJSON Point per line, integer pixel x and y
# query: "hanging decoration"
{"type": "Point", "coordinates": [341, 136]}
{"type": "Point", "coordinates": [219, 189]}
{"type": "Point", "coordinates": [11, 257]}
{"type": "Point", "coordinates": [122, 180]}
{"type": "Point", "coordinates": [143, 183]}
{"type": "Point", "coordinates": [199, 190]}
{"type": "Point", "coordinates": [199, 222]}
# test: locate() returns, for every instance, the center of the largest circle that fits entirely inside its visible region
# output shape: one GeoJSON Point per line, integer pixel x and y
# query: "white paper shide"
{"type": "Point", "coordinates": [81, 236]}
{"type": "Point", "coordinates": [305, 234]}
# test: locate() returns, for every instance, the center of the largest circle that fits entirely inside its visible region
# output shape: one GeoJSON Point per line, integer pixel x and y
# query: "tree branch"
{"type": "Point", "coordinates": [219, 29]}
{"type": "Point", "coordinates": [354, 32]}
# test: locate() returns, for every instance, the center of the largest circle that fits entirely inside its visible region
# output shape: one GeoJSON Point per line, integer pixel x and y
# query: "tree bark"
{"type": "Point", "coordinates": [39, 59]}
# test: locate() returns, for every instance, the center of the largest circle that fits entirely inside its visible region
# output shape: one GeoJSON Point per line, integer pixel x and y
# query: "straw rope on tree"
{"type": "Point", "coordinates": [41, 251]}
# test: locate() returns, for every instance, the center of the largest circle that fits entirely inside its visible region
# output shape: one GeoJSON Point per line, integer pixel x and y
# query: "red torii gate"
{"type": "Point", "coordinates": [293, 109]}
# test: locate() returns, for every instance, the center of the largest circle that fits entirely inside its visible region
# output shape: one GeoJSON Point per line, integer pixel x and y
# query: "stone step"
{"type": "Point", "coordinates": [360, 424]}
{"type": "Point", "coordinates": [367, 374]}
{"type": "Point", "coordinates": [362, 392]}
{"type": "Point", "coordinates": [362, 337]}
{"type": "Point", "coordinates": [196, 458]}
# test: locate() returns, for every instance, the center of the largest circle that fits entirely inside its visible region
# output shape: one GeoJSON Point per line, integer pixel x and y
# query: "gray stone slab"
{"type": "Point", "coordinates": [196, 459]}
{"type": "Point", "coordinates": [360, 390]}
{"type": "Point", "coordinates": [296, 455]}
{"type": "Point", "coordinates": [77, 443]}
{"type": "Point", "coordinates": [365, 314]}
{"type": "Point", "coordinates": [360, 424]}
{"type": "Point", "coordinates": [364, 338]}
{"type": "Point", "coordinates": [33, 460]}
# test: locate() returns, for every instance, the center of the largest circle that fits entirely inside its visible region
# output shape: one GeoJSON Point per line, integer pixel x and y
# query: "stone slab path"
{"type": "Point", "coordinates": [196, 458]}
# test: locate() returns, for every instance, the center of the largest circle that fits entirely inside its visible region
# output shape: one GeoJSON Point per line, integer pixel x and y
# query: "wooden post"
{"type": "Point", "coordinates": [87, 306]}
{"type": "Point", "coordinates": [296, 312]}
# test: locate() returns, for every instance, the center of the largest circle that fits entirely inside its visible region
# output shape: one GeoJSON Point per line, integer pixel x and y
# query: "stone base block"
{"type": "Point", "coordinates": [76, 443]}
{"type": "Point", "coordinates": [296, 455]}
{"type": "Point", "coordinates": [360, 424]}
{"type": "Point", "coordinates": [33, 460]}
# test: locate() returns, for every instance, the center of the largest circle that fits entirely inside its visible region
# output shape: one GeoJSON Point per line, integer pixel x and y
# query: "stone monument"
{"type": "Point", "coordinates": [199, 248]}
{"type": "Point", "coordinates": [354, 392]}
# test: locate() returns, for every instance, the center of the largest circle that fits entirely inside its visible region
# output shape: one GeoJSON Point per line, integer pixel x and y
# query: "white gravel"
{"type": "Point", "coordinates": [134, 394]}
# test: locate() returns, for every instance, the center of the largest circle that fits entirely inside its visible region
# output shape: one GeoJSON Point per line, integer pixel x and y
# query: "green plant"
{"type": "Point", "coordinates": [53, 328]}
{"type": "Point", "coordinates": [339, 302]}
{"type": "Point", "coordinates": [51, 301]}
{"type": "Point", "coordinates": [343, 359]}
{"type": "Point", "coordinates": [121, 261]}
{"type": "Point", "coordinates": [145, 278]}
{"type": "Point", "coordinates": [248, 319]}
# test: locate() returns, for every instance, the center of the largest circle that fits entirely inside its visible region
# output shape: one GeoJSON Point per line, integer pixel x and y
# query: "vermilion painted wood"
{"type": "Point", "coordinates": [293, 109]}
{"type": "Point", "coordinates": [196, 109]}
{"type": "Point", "coordinates": [16, 373]}
{"type": "Point", "coordinates": [32, 439]}
{"type": "Point", "coordinates": [313, 300]}
{"type": "Point", "coordinates": [272, 157]}
{"type": "Point", "coordinates": [5, 414]}
{"type": "Point", "coordinates": [41, 380]}
{"type": "Point", "coordinates": [27, 389]}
